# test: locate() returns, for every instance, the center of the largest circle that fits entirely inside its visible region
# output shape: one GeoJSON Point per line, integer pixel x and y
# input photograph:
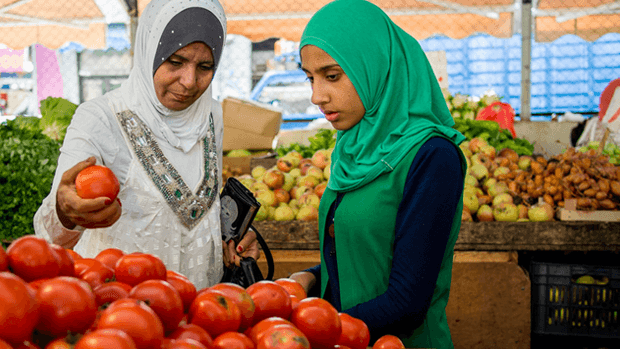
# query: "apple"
{"type": "Point", "coordinates": [510, 154]}
{"type": "Point", "coordinates": [316, 172]}
{"type": "Point", "coordinates": [309, 199]}
{"type": "Point", "coordinates": [497, 188]}
{"type": "Point", "coordinates": [282, 195]}
{"type": "Point", "coordinates": [489, 151]}
{"type": "Point", "coordinates": [466, 216]}
{"type": "Point", "coordinates": [272, 213]}
{"type": "Point", "coordinates": [294, 154]}
{"type": "Point", "coordinates": [304, 167]}
{"type": "Point", "coordinates": [320, 189]}
{"type": "Point", "coordinates": [481, 158]}
{"type": "Point", "coordinates": [525, 162]}
{"type": "Point", "coordinates": [326, 172]}
{"type": "Point", "coordinates": [256, 186]}
{"type": "Point", "coordinates": [471, 180]}
{"type": "Point", "coordinates": [295, 173]}
{"type": "Point", "coordinates": [273, 178]}
{"type": "Point", "coordinates": [298, 191]}
{"type": "Point", "coordinates": [485, 213]}
{"type": "Point", "coordinates": [284, 165]}
{"type": "Point", "coordinates": [506, 212]}
{"type": "Point", "coordinates": [502, 197]}
{"type": "Point", "coordinates": [247, 182]}
{"type": "Point", "coordinates": [293, 159]}
{"type": "Point", "coordinates": [307, 213]}
{"type": "Point", "coordinates": [489, 182]}
{"type": "Point", "coordinates": [258, 171]}
{"type": "Point", "coordinates": [308, 181]}
{"type": "Point", "coordinates": [284, 213]}
{"type": "Point", "coordinates": [267, 197]}
{"type": "Point", "coordinates": [540, 212]}
{"type": "Point", "coordinates": [485, 199]}
{"type": "Point", "coordinates": [470, 200]}
{"type": "Point", "coordinates": [501, 170]}
{"type": "Point", "coordinates": [479, 171]}
{"type": "Point", "coordinates": [262, 213]}
{"type": "Point", "coordinates": [476, 143]}
{"type": "Point", "coordinates": [289, 181]}
{"type": "Point", "coordinates": [321, 158]}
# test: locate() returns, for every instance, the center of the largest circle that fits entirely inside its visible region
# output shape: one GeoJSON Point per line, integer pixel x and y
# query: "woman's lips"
{"type": "Point", "coordinates": [331, 116]}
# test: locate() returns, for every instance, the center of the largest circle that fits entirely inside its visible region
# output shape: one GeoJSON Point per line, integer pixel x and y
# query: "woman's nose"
{"type": "Point", "coordinates": [319, 95]}
{"type": "Point", "coordinates": [188, 77]}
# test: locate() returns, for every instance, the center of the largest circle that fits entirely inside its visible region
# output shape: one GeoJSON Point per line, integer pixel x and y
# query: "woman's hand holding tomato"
{"type": "Point", "coordinates": [99, 212]}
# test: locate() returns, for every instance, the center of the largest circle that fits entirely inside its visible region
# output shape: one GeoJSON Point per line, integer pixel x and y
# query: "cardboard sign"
{"type": "Point", "coordinates": [439, 63]}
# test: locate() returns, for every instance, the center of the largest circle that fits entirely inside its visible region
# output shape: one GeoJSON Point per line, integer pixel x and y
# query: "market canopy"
{"type": "Point", "coordinates": [52, 23]}
{"type": "Point", "coordinates": [589, 19]}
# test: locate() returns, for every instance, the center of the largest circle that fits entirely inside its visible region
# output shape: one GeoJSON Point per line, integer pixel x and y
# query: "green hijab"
{"type": "Point", "coordinates": [393, 78]}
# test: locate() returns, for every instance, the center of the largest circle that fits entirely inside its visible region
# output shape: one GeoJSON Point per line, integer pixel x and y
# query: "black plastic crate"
{"type": "Point", "coordinates": [575, 300]}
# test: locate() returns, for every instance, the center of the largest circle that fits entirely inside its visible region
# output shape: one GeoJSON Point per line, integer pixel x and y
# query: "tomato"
{"type": "Point", "coordinates": [215, 313]}
{"type": "Point", "coordinates": [27, 345]}
{"type": "Point", "coordinates": [66, 342]}
{"type": "Point", "coordinates": [31, 257]}
{"type": "Point", "coordinates": [163, 298]}
{"type": "Point", "coordinates": [293, 287]}
{"type": "Point", "coordinates": [270, 300]}
{"type": "Point", "coordinates": [135, 267]}
{"type": "Point", "coordinates": [186, 343]}
{"type": "Point", "coordinates": [136, 319]}
{"type": "Point", "coordinates": [294, 301]}
{"type": "Point", "coordinates": [66, 304]}
{"type": "Point", "coordinates": [192, 331]}
{"type": "Point", "coordinates": [19, 310]}
{"type": "Point", "coordinates": [283, 337]}
{"type": "Point", "coordinates": [81, 265]}
{"type": "Point", "coordinates": [97, 181]}
{"type": "Point", "coordinates": [65, 260]}
{"type": "Point", "coordinates": [233, 340]}
{"type": "Point", "coordinates": [109, 256]}
{"type": "Point", "coordinates": [5, 345]}
{"type": "Point", "coordinates": [256, 331]}
{"type": "Point", "coordinates": [355, 333]}
{"type": "Point", "coordinates": [73, 254]}
{"type": "Point", "coordinates": [110, 291]}
{"type": "Point", "coordinates": [319, 321]}
{"type": "Point", "coordinates": [36, 284]}
{"type": "Point", "coordinates": [241, 297]}
{"type": "Point", "coordinates": [97, 275]}
{"type": "Point", "coordinates": [4, 260]}
{"type": "Point", "coordinates": [109, 338]}
{"type": "Point", "coordinates": [388, 341]}
{"type": "Point", "coordinates": [184, 286]}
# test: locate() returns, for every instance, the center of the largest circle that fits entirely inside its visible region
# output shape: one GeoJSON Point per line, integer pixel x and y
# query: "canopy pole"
{"type": "Point", "coordinates": [526, 59]}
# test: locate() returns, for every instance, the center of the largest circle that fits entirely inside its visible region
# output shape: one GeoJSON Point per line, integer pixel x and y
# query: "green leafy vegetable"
{"type": "Point", "coordinates": [56, 115]}
{"type": "Point", "coordinates": [322, 139]}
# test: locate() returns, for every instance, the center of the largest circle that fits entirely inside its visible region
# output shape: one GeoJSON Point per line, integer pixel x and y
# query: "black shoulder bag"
{"type": "Point", "coordinates": [239, 208]}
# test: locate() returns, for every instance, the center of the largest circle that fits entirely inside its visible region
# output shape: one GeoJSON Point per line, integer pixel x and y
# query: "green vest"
{"type": "Point", "coordinates": [364, 224]}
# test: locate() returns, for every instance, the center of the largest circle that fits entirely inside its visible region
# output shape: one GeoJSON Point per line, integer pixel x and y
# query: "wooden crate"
{"type": "Point", "coordinates": [570, 213]}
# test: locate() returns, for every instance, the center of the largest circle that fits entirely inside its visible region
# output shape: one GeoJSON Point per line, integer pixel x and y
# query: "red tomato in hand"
{"type": "Point", "coordinates": [65, 260]}
{"type": "Point", "coordinates": [31, 257]}
{"type": "Point", "coordinates": [270, 299]}
{"type": "Point", "coordinates": [186, 288]}
{"type": "Point", "coordinates": [319, 321]}
{"type": "Point", "coordinates": [109, 256]}
{"type": "Point", "coordinates": [136, 319]}
{"type": "Point", "coordinates": [293, 287]}
{"type": "Point", "coordinates": [18, 307]}
{"type": "Point", "coordinates": [97, 181]}
{"type": "Point", "coordinates": [108, 292]}
{"type": "Point", "coordinates": [241, 297]}
{"type": "Point", "coordinates": [163, 298]}
{"type": "Point", "coordinates": [215, 313]}
{"type": "Point", "coordinates": [133, 268]}
{"type": "Point", "coordinates": [355, 333]}
{"type": "Point", "coordinates": [388, 341]}
{"type": "Point", "coordinates": [233, 340]}
{"type": "Point", "coordinates": [283, 337]}
{"type": "Point", "coordinates": [66, 304]}
{"type": "Point", "coordinates": [192, 331]}
{"type": "Point", "coordinates": [109, 338]}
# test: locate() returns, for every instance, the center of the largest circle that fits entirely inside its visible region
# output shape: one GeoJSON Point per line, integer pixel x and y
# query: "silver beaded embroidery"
{"type": "Point", "coordinates": [189, 207]}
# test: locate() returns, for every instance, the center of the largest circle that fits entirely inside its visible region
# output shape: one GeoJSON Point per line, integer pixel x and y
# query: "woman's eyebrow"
{"type": "Point", "coordinates": [324, 68]}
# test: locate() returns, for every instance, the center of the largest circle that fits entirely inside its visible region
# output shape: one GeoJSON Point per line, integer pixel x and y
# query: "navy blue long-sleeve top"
{"type": "Point", "coordinates": [423, 222]}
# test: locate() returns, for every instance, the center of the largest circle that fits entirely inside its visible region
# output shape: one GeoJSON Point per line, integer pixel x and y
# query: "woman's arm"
{"type": "Point", "coordinates": [423, 223]}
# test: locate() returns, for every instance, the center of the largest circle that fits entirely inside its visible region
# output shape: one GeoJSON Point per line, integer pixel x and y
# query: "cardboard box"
{"type": "Point", "coordinates": [249, 124]}
{"type": "Point", "coordinates": [246, 163]}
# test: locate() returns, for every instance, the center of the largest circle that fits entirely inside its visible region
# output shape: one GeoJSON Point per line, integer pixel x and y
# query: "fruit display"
{"type": "Point", "coordinates": [292, 188]}
{"type": "Point", "coordinates": [49, 302]}
{"type": "Point", "coordinates": [505, 186]}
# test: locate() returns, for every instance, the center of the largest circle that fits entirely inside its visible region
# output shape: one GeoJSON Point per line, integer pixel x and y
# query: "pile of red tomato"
{"type": "Point", "coordinates": [52, 298]}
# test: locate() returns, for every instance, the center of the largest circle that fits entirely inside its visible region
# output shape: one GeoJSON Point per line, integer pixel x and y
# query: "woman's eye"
{"type": "Point", "coordinates": [175, 63]}
{"type": "Point", "coordinates": [207, 67]}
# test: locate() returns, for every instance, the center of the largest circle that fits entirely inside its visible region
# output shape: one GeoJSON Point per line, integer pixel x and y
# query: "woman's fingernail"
{"type": "Point", "coordinates": [239, 248]}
